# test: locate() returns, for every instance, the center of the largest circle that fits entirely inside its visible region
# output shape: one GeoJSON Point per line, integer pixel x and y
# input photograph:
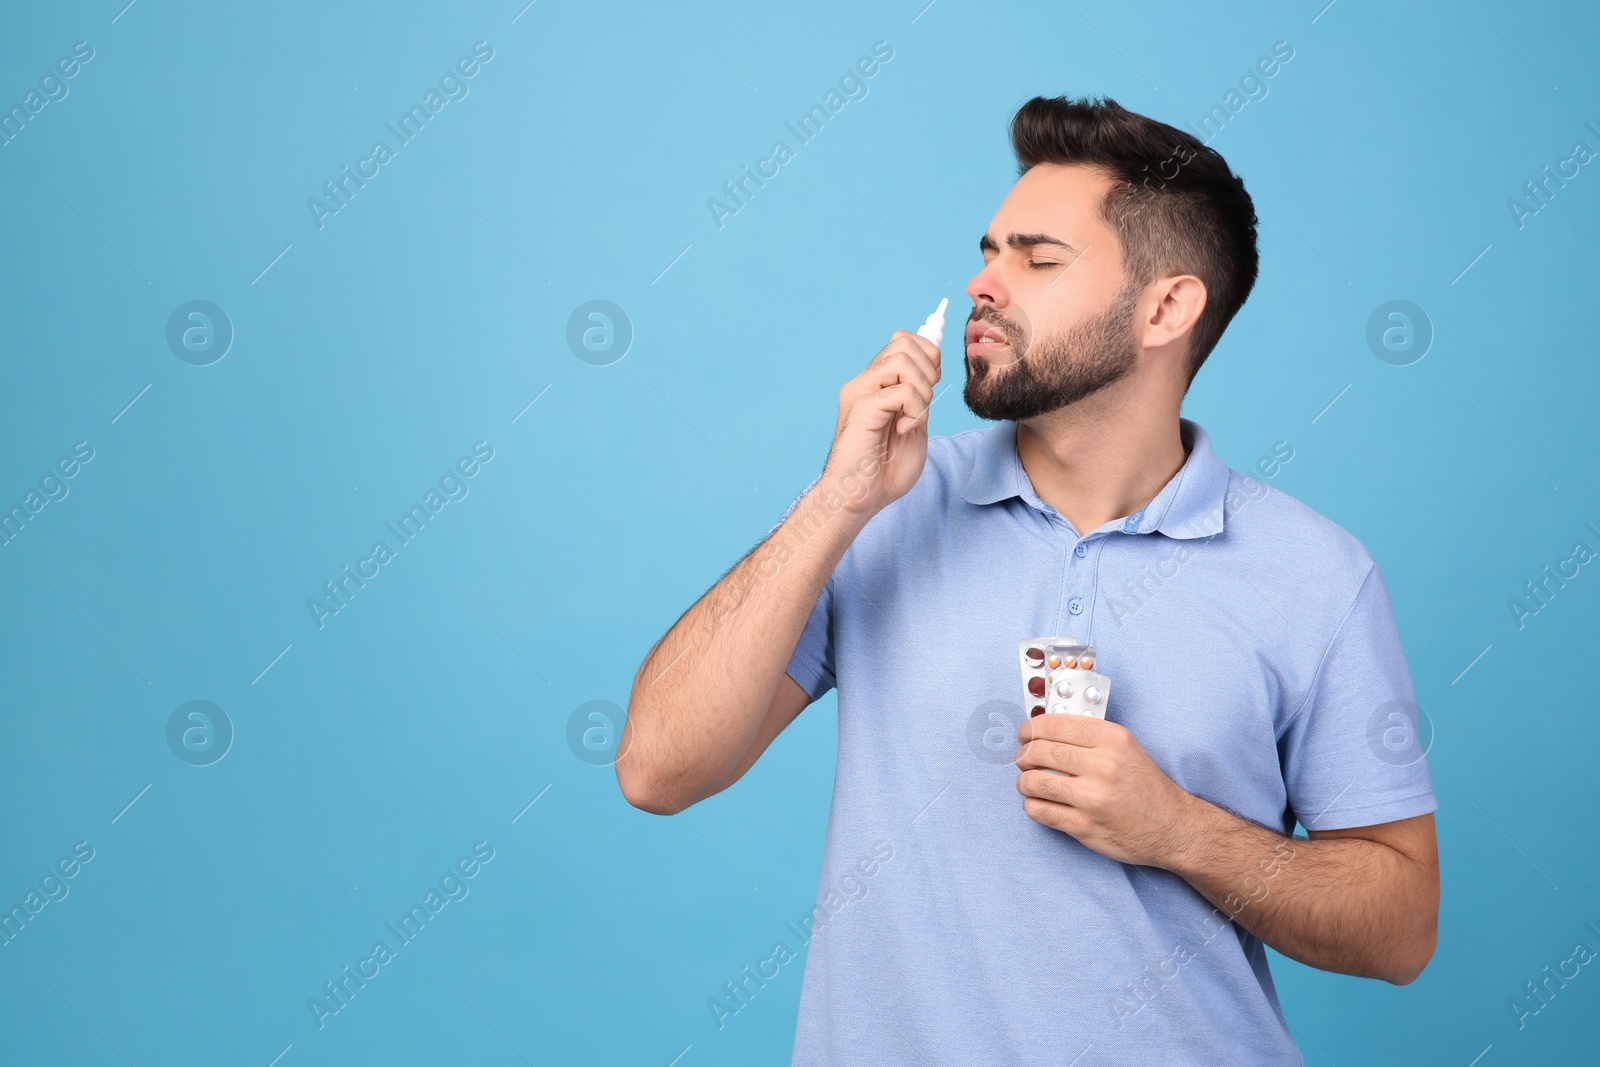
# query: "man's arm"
{"type": "Point", "coordinates": [713, 692]}
{"type": "Point", "coordinates": [703, 695]}
{"type": "Point", "coordinates": [1362, 901]}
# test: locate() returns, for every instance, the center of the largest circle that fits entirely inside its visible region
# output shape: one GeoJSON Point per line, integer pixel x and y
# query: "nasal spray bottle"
{"type": "Point", "coordinates": [933, 328]}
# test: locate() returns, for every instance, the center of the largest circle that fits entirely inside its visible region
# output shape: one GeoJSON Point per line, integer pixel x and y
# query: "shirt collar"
{"type": "Point", "coordinates": [1190, 505]}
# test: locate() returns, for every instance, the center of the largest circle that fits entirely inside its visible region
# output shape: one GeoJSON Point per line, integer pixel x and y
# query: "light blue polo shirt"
{"type": "Point", "coordinates": [1252, 650]}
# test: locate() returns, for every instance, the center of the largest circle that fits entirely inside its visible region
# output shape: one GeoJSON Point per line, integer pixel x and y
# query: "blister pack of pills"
{"type": "Point", "coordinates": [1058, 676]}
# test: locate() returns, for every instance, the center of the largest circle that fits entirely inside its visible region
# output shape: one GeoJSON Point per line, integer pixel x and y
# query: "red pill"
{"type": "Point", "coordinates": [1036, 685]}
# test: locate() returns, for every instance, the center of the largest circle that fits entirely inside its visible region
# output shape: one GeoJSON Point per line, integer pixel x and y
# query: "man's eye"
{"type": "Point", "coordinates": [1042, 263]}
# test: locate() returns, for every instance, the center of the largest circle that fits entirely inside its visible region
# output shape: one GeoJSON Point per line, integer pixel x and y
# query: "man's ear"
{"type": "Point", "coordinates": [1179, 300]}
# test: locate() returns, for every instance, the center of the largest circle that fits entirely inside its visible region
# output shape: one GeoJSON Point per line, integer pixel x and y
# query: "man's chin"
{"type": "Point", "coordinates": [983, 405]}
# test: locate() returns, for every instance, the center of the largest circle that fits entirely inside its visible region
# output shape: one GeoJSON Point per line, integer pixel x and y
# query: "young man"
{"type": "Point", "coordinates": [1112, 885]}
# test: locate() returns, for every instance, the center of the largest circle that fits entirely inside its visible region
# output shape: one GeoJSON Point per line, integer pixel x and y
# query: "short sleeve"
{"type": "Point", "coordinates": [1355, 752]}
{"type": "Point", "coordinates": [811, 666]}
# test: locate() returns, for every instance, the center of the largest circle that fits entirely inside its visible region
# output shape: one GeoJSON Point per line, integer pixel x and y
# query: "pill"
{"type": "Point", "coordinates": [1036, 685]}
{"type": "Point", "coordinates": [1063, 688]}
{"type": "Point", "coordinates": [1055, 661]}
{"type": "Point", "coordinates": [1087, 663]}
{"type": "Point", "coordinates": [1038, 711]}
{"type": "Point", "coordinates": [1035, 657]}
{"type": "Point", "coordinates": [1092, 694]}
{"type": "Point", "coordinates": [1071, 662]}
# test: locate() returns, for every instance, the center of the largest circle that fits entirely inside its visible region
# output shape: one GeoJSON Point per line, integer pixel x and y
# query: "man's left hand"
{"type": "Point", "coordinates": [1117, 802]}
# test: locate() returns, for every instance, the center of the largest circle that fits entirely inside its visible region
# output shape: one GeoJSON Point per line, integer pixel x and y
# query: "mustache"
{"type": "Point", "coordinates": [995, 319]}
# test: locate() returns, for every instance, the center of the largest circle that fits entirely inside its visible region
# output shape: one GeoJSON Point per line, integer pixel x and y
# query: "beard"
{"type": "Point", "coordinates": [1057, 370]}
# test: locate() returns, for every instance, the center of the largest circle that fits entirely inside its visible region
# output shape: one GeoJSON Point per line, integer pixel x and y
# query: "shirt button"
{"type": "Point", "coordinates": [1075, 605]}
{"type": "Point", "coordinates": [1081, 551]}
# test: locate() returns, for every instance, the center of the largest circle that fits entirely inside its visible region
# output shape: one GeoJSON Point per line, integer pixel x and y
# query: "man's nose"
{"type": "Point", "coordinates": [985, 288]}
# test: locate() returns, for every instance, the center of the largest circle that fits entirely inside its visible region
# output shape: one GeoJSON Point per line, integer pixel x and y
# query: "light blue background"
{"type": "Point", "coordinates": [426, 316]}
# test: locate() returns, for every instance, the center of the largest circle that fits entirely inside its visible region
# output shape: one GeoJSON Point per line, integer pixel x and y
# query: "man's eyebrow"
{"type": "Point", "coordinates": [1024, 240]}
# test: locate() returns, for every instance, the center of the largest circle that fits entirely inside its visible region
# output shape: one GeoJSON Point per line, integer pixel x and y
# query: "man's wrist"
{"type": "Point", "coordinates": [836, 501]}
{"type": "Point", "coordinates": [1191, 834]}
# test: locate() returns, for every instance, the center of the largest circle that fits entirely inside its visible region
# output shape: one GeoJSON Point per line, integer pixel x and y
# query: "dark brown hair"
{"type": "Point", "coordinates": [1176, 205]}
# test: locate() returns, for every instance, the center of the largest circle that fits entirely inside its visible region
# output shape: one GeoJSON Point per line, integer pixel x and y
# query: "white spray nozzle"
{"type": "Point", "coordinates": [933, 329]}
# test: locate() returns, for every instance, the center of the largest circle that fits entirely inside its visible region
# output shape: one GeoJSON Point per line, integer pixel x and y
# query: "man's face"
{"type": "Point", "coordinates": [1052, 321]}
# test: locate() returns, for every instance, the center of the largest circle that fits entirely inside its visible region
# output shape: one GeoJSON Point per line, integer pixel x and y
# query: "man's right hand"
{"type": "Point", "coordinates": [881, 441]}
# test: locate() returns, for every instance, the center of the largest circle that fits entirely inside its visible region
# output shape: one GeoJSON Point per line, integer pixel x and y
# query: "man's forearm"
{"type": "Point", "coordinates": [1349, 905]}
{"type": "Point", "coordinates": [700, 697]}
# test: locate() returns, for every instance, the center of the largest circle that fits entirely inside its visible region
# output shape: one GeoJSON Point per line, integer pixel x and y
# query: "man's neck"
{"type": "Point", "coordinates": [1097, 464]}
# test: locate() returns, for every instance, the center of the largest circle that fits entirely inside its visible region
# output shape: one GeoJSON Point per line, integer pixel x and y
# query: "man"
{"type": "Point", "coordinates": [1121, 903]}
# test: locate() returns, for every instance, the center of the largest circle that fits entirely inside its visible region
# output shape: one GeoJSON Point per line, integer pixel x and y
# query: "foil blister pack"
{"type": "Point", "coordinates": [1058, 677]}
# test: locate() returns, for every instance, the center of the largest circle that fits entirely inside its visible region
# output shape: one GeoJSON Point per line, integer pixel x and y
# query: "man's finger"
{"type": "Point", "coordinates": [877, 371]}
{"type": "Point", "coordinates": [892, 371]}
{"type": "Point", "coordinates": [1063, 817]}
{"type": "Point", "coordinates": [1046, 785]}
{"type": "Point", "coordinates": [1085, 730]}
{"type": "Point", "coordinates": [1054, 755]}
{"type": "Point", "coordinates": [927, 347]}
{"type": "Point", "coordinates": [873, 411]}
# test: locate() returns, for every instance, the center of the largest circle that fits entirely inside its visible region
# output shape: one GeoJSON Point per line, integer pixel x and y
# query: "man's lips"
{"type": "Point", "coordinates": [984, 338]}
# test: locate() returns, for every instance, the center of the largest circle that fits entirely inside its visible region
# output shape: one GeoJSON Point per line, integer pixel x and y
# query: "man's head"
{"type": "Point", "coordinates": [1125, 247]}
